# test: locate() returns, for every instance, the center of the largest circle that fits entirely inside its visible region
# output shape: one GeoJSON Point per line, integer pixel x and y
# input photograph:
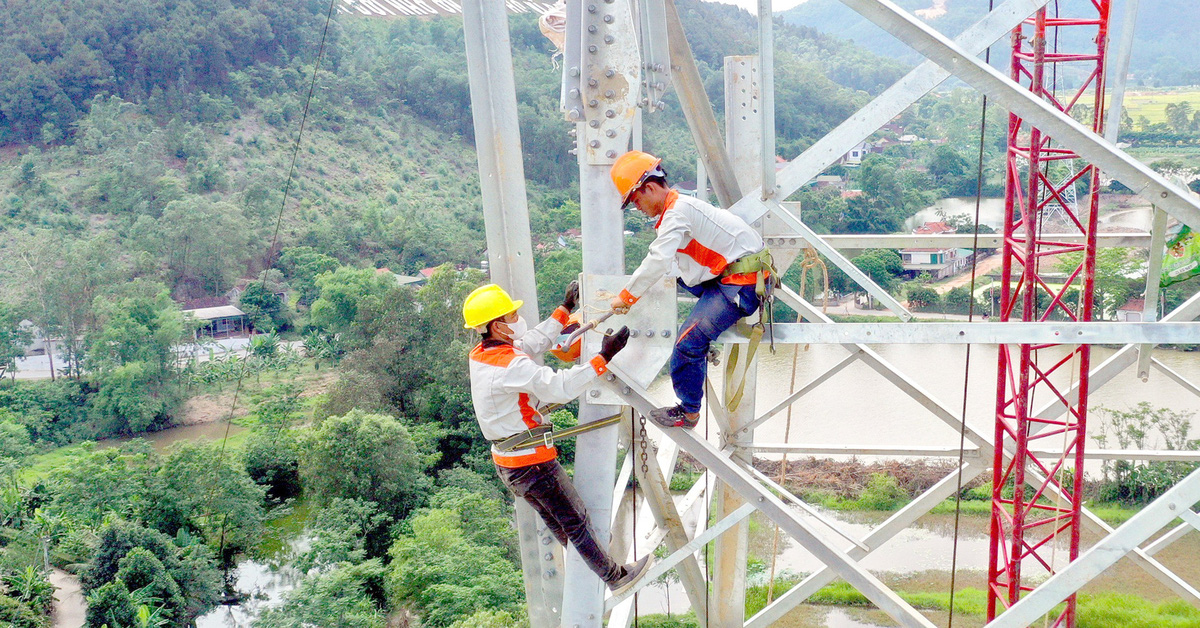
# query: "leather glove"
{"type": "Point", "coordinates": [614, 343]}
{"type": "Point", "coordinates": [572, 297]}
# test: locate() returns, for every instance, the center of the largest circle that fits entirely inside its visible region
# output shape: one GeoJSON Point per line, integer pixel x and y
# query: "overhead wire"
{"type": "Point", "coordinates": [269, 260]}
{"type": "Point", "coordinates": [962, 432]}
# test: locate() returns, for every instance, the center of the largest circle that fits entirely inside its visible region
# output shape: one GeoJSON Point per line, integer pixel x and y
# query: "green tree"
{"type": "Point", "coordinates": [343, 596]}
{"type": "Point", "coordinates": [302, 265]}
{"type": "Point", "coordinates": [922, 298]}
{"type": "Point", "coordinates": [448, 564]}
{"type": "Point", "coordinates": [110, 605]}
{"type": "Point", "coordinates": [142, 571]}
{"type": "Point", "coordinates": [13, 338]}
{"type": "Point", "coordinates": [948, 169]}
{"type": "Point", "coordinates": [267, 310]}
{"type": "Point", "coordinates": [205, 244]}
{"type": "Point", "coordinates": [342, 293]}
{"type": "Point", "coordinates": [133, 363]}
{"type": "Point", "coordinates": [364, 456]}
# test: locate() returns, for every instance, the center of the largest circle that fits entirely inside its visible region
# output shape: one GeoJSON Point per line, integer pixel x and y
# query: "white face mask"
{"type": "Point", "coordinates": [517, 329]}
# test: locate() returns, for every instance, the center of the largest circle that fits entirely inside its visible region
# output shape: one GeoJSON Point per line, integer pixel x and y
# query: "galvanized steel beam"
{"type": "Point", "coordinates": [963, 332]}
{"type": "Point", "coordinates": [963, 64]}
{"type": "Point", "coordinates": [1176, 502]}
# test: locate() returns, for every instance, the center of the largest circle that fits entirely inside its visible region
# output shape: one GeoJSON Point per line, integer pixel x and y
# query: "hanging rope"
{"type": "Point", "coordinates": [787, 439]}
{"type": "Point", "coordinates": [962, 431]}
{"type": "Point", "coordinates": [813, 263]}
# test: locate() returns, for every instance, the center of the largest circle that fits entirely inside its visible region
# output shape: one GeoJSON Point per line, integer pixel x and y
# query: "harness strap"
{"type": "Point", "coordinates": [546, 434]}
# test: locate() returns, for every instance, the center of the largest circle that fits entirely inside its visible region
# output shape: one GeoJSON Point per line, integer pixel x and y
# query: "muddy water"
{"type": "Point", "coordinates": [163, 440]}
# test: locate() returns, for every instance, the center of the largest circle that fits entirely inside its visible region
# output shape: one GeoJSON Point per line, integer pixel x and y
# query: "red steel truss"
{"type": "Point", "coordinates": [1049, 192]}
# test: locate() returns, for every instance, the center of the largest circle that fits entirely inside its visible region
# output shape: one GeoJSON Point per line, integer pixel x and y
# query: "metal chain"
{"type": "Point", "coordinates": [645, 456]}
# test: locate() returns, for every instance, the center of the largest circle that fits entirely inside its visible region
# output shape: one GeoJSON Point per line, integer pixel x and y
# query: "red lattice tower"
{"type": "Point", "coordinates": [1048, 194]}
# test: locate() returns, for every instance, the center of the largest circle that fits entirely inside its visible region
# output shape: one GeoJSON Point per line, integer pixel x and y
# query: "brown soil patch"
{"type": "Point", "coordinates": [208, 409]}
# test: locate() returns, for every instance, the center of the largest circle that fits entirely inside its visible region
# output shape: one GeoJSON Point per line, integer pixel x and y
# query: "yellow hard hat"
{"type": "Point", "coordinates": [487, 303]}
{"type": "Point", "coordinates": [631, 170]}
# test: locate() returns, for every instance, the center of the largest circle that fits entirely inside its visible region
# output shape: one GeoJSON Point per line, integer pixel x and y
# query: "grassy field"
{"type": "Point", "coordinates": [1153, 103]}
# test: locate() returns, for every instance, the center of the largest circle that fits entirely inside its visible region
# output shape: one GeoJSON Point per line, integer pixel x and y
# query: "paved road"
{"type": "Point", "coordinates": [70, 609]}
{"type": "Point", "coordinates": [38, 366]}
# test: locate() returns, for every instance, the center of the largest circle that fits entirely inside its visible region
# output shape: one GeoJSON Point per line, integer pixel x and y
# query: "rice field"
{"type": "Point", "coordinates": [1153, 103]}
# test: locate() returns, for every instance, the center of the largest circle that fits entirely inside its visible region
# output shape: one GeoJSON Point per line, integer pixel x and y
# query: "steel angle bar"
{"type": "Point", "coordinates": [1190, 517]}
{"type": "Point", "coordinates": [716, 410]}
{"type": "Point", "coordinates": [799, 529]}
{"type": "Point", "coordinates": [861, 450]}
{"type": "Point", "coordinates": [687, 551]}
{"type": "Point", "coordinates": [802, 505]}
{"type": "Point", "coordinates": [765, 501]}
{"type": "Point", "coordinates": [1119, 361]}
{"type": "Point", "coordinates": [697, 109]}
{"type": "Point", "coordinates": [1158, 239]}
{"type": "Point", "coordinates": [817, 242]}
{"type": "Point", "coordinates": [1176, 377]}
{"type": "Point", "coordinates": [962, 241]}
{"type": "Point", "coordinates": [891, 103]}
{"type": "Point", "coordinates": [766, 60]}
{"type": "Point", "coordinates": [666, 516]}
{"type": "Point", "coordinates": [619, 487]}
{"type": "Point", "coordinates": [1163, 541]}
{"type": "Point", "coordinates": [962, 332]}
{"type": "Point", "coordinates": [803, 390]}
{"type": "Point", "coordinates": [1020, 101]}
{"type": "Point", "coordinates": [1120, 74]}
{"type": "Point", "coordinates": [1176, 502]}
{"type": "Point", "coordinates": [876, 538]}
{"type": "Point", "coordinates": [1158, 455]}
{"type": "Point", "coordinates": [1140, 558]}
{"type": "Point", "coordinates": [888, 372]}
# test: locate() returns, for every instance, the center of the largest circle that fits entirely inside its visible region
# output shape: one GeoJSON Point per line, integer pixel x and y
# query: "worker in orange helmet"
{"type": "Point", "coordinates": [717, 257]}
{"type": "Point", "coordinates": [506, 388]}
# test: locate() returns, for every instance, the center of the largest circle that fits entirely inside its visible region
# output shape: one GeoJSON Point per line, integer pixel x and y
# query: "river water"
{"type": "Point", "coordinates": [1123, 211]}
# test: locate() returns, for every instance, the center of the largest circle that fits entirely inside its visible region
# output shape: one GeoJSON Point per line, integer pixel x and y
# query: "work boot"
{"type": "Point", "coordinates": [633, 573]}
{"type": "Point", "coordinates": [674, 417]}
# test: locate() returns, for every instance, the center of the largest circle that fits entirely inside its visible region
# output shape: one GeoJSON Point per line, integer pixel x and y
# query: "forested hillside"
{"type": "Point", "coordinates": [1163, 54]}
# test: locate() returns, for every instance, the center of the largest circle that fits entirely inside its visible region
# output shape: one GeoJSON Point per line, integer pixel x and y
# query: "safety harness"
{"type": "Point", "coordinates": [546, 434]}
{"type": "Point", "coordinates": [766, 279]}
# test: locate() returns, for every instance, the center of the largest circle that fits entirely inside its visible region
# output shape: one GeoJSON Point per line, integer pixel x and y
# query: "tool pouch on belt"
{"type": "Point", "coordinates": [509, 444]}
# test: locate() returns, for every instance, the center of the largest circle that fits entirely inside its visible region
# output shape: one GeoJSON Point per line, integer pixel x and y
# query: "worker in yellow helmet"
{"type": "Point", "coordinates": [717, 257]}
{"type": "Point", "coordinates": [506, 388]}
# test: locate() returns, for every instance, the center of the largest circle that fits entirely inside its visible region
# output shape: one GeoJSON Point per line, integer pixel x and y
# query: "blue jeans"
{"type": "Point", "coordinates": [719, 307]}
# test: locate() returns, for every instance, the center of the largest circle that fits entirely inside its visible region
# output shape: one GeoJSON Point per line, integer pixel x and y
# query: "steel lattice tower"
{"type": "Point", "coordinates": [1036, 501]}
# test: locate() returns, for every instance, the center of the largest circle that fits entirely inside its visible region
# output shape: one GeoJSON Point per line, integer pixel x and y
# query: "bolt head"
{"type": "Point", "coordinates": [594, 143]}
{"type": "Point", "coordinates": [610, 133]}
{"type": "Point", "coordinates": [611, 154]}
{"type": "Point", "coordinates": [666, 333]}
{"type": "Point", "coordinates": [608, 39]}
{"type": "Point", "coordinates": [593, 123]}
{"type": "Point", "coordinates": [594, 394]}
{"type": "Point", "coordinates": [574, 71]}
{"type": "Point", "coordinates": [593, 102]}
{"type": "Point", "coordinates": [608, 19]}
{"type": "Point", "coordinates": [649, 333]}
{"type": "Point", "coordinates": [591, 8]}
{"type": "Point", "coordinates": [608, 93]}
{"type": "Point", "coordinates": [591, 28]}
{"type": "Point", "coordinates": [610, 73]}
{"type": "Point", "coordinates": [610, 114]}
{"type": "Point", "coordinates": [592, 49]}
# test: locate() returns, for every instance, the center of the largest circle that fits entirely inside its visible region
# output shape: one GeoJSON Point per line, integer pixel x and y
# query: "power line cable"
{"type": "Point", "coordinates": [962, 432]}
{"type": "Point", "coordinates": [270, 255]}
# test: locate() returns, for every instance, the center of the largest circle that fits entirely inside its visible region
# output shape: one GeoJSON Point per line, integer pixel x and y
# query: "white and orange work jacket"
{"type": "Point", "coordinates": [695, 241]}
{"type": "Point", "coordinates": [507, 386]}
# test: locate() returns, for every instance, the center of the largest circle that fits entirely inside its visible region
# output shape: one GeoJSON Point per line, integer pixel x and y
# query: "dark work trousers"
{"type": "Point", "coordinates": [719, 307]}
{"type": "Point", "coordinates": [548, 489]}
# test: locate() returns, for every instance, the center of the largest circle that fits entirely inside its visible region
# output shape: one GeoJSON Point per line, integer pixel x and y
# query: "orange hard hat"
{"type": "Point", "coordinates": [631, 170]}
